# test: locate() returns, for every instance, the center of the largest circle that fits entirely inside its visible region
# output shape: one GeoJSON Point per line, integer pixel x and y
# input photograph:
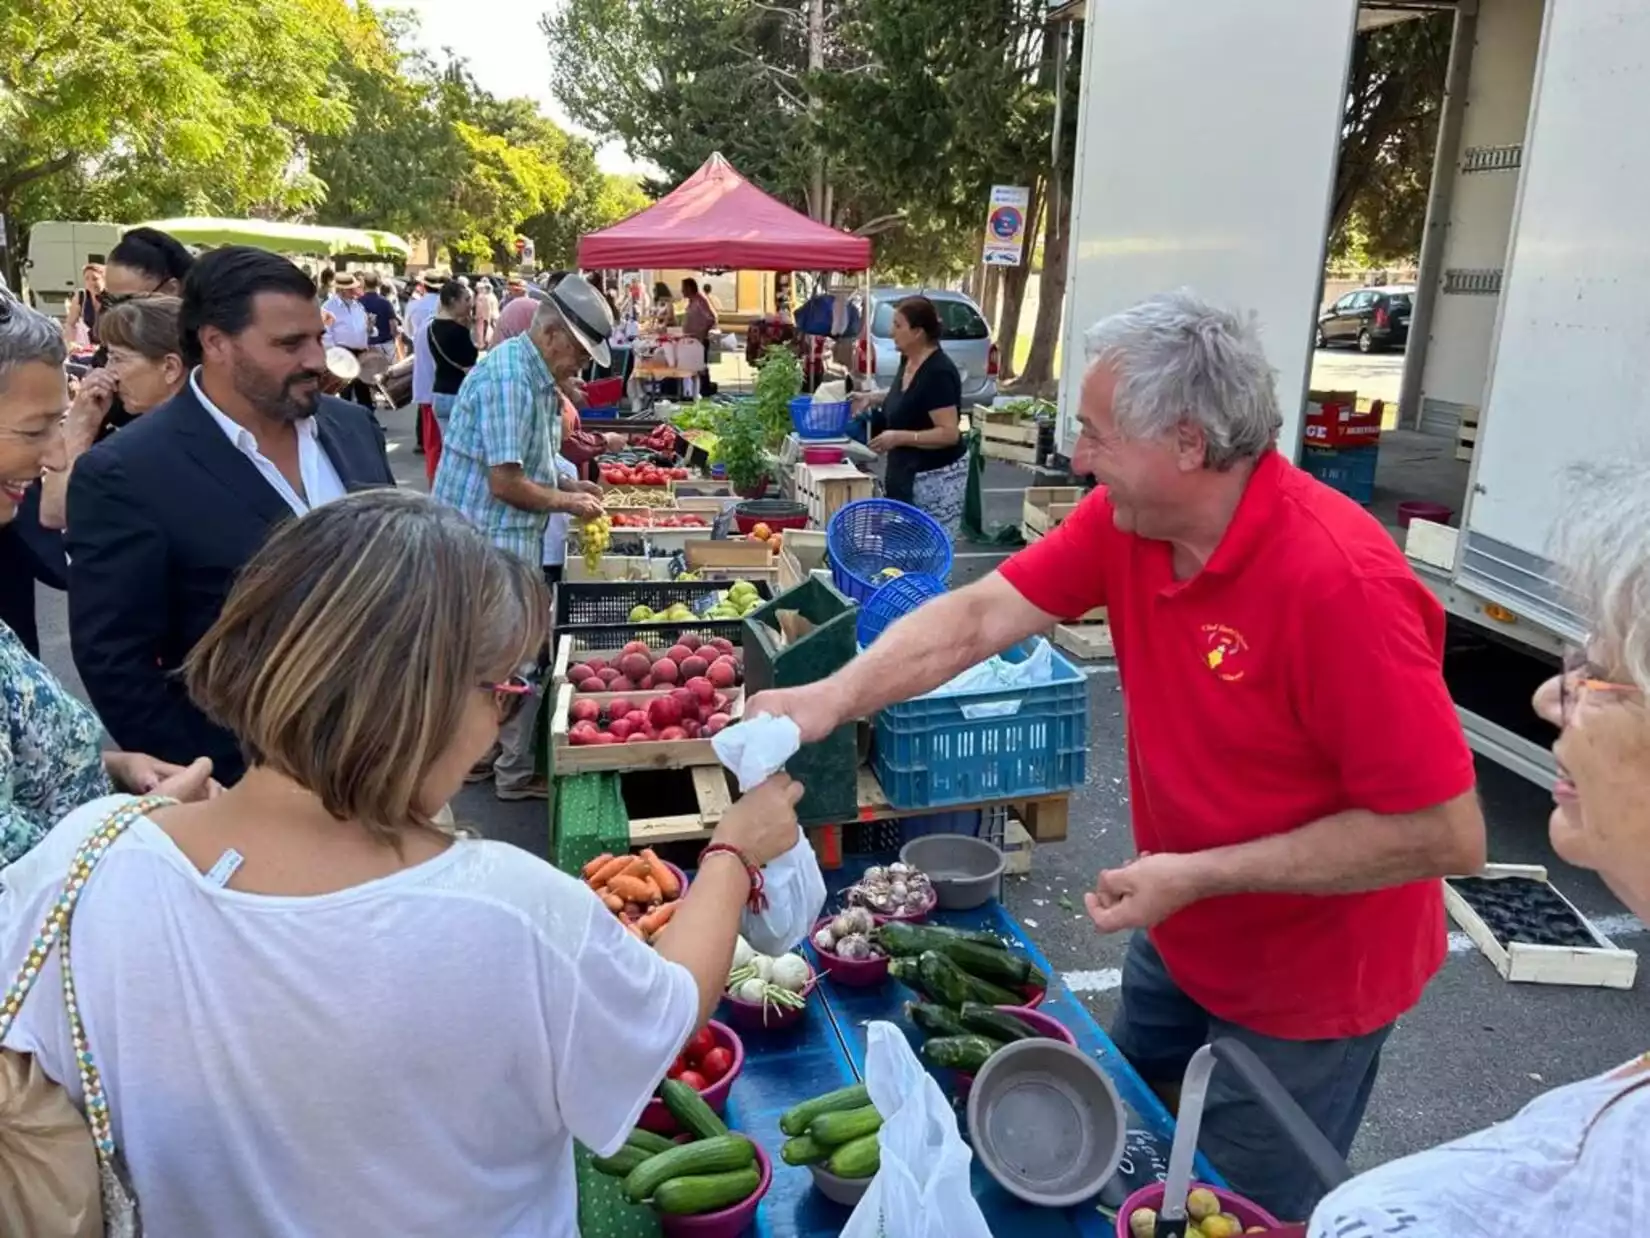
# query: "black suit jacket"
{"type": "Point", "coordinates": [161, 518]}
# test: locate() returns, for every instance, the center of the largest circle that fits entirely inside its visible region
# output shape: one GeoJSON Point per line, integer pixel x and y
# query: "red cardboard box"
{"type": "Point", "coordinates": [1333, 420]}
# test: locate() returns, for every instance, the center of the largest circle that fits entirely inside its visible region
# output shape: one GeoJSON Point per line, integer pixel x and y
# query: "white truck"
{"type": "Point", "coordinates": [1206, 152]}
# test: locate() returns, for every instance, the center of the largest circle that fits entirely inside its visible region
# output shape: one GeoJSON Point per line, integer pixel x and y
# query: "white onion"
{"type": "Point", "coordinates": [751, 990]}
{"type": "Point", "coordinates": [790, 971]}
{"type": "Point", "coordinates": [742, 952]}
{"type": "Point", "coordinates": [763, 965]}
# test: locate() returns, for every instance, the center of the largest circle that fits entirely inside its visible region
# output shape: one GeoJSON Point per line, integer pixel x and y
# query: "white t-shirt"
{"type": "Point", "coordinates": [413, 1056]}
{"type": "Point", "coordinates": [555, 528]}
{"type": "Point", "coordinates": [1569, 1162]}
{"type": "Point", "coordinates": [419, 314]}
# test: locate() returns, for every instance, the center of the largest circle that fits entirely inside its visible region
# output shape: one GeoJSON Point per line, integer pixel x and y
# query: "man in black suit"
{"type": "Point", "coordinates": [163, 515]}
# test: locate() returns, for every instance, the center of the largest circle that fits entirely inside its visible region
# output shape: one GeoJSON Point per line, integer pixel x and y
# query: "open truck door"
{"type": "Point", "coordinates": [1206, 152]}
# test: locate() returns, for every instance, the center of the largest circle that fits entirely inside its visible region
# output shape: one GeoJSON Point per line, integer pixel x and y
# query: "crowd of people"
{"type": "Point", "coordinates": [299, 665]}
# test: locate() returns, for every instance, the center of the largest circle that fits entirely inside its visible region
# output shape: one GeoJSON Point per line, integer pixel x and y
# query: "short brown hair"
{"type": "Point", "coordinates": [920, 315]}
{"type": "Point", "coordinates": [147, 326]}
{"type": "Point", "coordinates": [347, 650]}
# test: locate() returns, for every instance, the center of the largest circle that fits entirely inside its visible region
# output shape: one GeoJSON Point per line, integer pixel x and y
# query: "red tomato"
{"type": "Point", "coordinates": [699, 1044]}
{"type": "Point", "coordinates": [694, 1080]}
{"type": "Point", "coordinates": [679, 474]}
{"type": "Point", "coordinates": [716, 1063]}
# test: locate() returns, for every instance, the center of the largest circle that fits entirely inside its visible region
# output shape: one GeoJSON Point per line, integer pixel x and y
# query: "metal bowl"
{"type": "Point", "coordinates": [965, 871]}
{"type": "Point", "coordinates": [839, 1190]}
{"type": "Point", "coordinates": [1046, 1122]}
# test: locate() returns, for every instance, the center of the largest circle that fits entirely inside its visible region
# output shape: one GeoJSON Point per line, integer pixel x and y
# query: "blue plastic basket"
{"type": "Point", "coordinates": [899, 596]}
{"type": "Point", "coordinates": [819, 420]}
{"type": "Point", "coordinates": [928, 753]}
{"type": "Point", "coordinates": [868, 536]}
{"type": "Point", "coordinates": [1351, 470]}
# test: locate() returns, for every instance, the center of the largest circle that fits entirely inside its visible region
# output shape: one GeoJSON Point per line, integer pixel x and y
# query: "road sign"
{"type": "Point", "coordinates": [1005, 225]}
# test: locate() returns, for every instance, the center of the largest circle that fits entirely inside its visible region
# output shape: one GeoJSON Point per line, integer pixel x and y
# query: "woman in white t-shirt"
{"type": "Point", "coordinates": [316, 1012]}
{"type": "Point", "coordinates": [1576, 1160]}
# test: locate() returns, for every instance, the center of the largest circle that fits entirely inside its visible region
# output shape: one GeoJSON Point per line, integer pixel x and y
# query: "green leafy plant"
{"type": "Point", "coordinates": [741, 444]}
{"type": "Point", "coordinates": [778, 382]}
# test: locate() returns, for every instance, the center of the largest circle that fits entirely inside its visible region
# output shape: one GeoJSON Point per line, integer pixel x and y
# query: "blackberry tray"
{"type": "Point", "coordinates": [1532, 933]}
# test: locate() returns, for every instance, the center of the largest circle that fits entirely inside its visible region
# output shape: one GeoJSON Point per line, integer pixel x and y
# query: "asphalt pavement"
{"type": "Point", "coordinates": [1473, 1051]}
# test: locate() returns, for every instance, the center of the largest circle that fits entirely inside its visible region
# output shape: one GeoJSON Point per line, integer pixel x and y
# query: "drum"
{"type": "Point", "coordinates": [342, 369]}
{"type": "Point", "coordinates": [374, 365]}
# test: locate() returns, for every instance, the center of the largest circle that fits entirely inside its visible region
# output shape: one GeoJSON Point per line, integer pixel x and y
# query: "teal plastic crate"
{"type": "Point", "coordinates": [930, 753]}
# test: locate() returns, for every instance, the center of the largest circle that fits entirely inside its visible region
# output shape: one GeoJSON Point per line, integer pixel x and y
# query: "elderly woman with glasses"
{"type": "Point", "coordinates": [422, 1024]}
{"type": "Point", "coordinates": [50, 755]}
{"type": "Point", "coordinates": [1576, 1159]}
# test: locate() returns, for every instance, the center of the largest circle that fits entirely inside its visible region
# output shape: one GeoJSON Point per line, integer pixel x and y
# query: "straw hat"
{"type": "Point", "coordinates": [345, 280]}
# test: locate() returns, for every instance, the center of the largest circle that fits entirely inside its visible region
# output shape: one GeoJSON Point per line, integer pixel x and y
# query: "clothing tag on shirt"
{"type": "Point", "coordinates": [220, 873]}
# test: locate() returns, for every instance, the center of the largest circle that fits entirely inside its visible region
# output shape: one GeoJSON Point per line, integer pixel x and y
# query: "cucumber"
{"type": "Point", "coordinates": [967, 1053]}
{"type": "Point", "coordinates": [989, 1021]}
{"type": "Point", "coordinates": [857, 1159]}
{"type": "Point", "coordinates": [909, 940]}
{"type": "Point", "coordinates": [909, 973]}
{"type": "Point", "coordinates": [834, 1129]}
{"type": "Point", "coordinates": [949, 984]}
{"type": "Point", "coordinates": [691, 1112]}
{"type": "Point", "coordinates": [698, 1193]}
{"type": "Point", "coordinates": [934, 1020]}
{"type": "Point", "coordinates": [802, 1151]}
{"type": "Point", "coordinates": [647, 1141]}
{"type": "Point", "coordinates": [993, 963]}
{"type": "Point", "coordinates": [621, 1162]}
{"type": "Point", "coordinates": [795, 1121]}
{"type": "Point", "coordinates": [702, 1156]}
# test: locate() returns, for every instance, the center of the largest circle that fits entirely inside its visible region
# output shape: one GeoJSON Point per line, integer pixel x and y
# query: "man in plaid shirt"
{"type": "Point", "coordinates": [498, 462]}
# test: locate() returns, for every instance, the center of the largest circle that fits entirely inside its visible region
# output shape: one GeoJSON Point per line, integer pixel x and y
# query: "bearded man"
{"type": "Point", "coordinates": [162, 515]}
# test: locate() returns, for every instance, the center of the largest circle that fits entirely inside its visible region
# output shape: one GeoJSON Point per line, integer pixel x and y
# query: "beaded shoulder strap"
{"type": "Point", "coordinates": [56, 929]}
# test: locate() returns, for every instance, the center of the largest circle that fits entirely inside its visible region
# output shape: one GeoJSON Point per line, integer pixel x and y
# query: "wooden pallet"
{"type": "Point", "coordinates": [1088, 637]}
{"type": "Point", "coordinates": [1605, 966]}
{"type": "Point", "coordinates": [1466, 438]}
{"type": "Point", "coordinates": [825, 488]}
{"type": "Point", "coordinates": [1044, 816]}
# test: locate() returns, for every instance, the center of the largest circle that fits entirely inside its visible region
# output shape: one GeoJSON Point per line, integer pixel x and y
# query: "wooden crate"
{"type": "Point", "coordinates": [667, 806]}
{"type": "Point", "coordinates": [614, 568]}
{"type": "Point", "coordinates": [1466, 438]}
{"type": "Point", "coordinates": [825, 488]}
{"type": "Point", "coordinates": [1045, 507]}
{"type": "Point", "coordinates": [733, 559]}
{"type": "Point", "coordinates": [1006, 437]}
{"type": "Point", "coordinates": [1045, 816]}
{"type": "Point", "coordinates": [1604, 966]}
{"type": "Point", "coordinates": [1086, 637]}
{"type": "Point", "coordinates": [569, 758]}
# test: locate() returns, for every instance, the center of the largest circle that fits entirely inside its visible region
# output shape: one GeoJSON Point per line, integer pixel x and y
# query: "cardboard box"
{"type": "Point", "coordinates": [1333, 420]}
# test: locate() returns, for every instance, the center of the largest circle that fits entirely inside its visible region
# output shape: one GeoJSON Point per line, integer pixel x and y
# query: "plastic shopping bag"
{"type": "Point", "coordinates": [922, 1189]}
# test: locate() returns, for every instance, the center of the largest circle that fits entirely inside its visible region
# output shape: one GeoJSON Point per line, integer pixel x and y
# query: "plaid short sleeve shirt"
{"type": "Point", "coordinates": [507, 412]}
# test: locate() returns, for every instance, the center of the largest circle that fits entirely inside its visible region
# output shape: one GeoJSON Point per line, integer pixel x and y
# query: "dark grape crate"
{"type": "Point", "coordinates": [1531, 932]}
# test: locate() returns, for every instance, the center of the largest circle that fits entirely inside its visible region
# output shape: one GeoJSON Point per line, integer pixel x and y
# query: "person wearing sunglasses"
{"type": "Point", "coordinates": [1578, 1151]}
{"type": "Point", "coordinates": [421, 1023]}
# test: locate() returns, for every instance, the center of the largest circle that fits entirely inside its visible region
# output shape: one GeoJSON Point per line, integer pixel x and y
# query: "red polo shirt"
{"type": "Point", "coordinates": [1296, 676]}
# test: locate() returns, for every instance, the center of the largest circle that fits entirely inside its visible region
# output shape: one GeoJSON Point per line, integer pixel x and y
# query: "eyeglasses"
{"type": "Point", "coordinates": [509, 696]}
{"type": "Point", "coordinates": [1580, 676]}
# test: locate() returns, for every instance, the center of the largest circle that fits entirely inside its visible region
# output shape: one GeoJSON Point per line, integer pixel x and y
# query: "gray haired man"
{"type": "Point", "coordinates": [1299, 781]}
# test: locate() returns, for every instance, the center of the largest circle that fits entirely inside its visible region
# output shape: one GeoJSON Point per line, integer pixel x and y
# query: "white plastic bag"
{"type": "Point", "coordinates": [922, 1189]}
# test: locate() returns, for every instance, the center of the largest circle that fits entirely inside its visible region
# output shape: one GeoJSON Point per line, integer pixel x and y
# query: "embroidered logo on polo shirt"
{"type": "Point", "coordinates": [1225, 651]}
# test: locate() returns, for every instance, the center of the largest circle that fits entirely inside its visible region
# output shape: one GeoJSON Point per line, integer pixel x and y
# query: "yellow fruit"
{"type": "Point", "coordinates": [761, 533]}
{"type": "Point", "coordinates": [1201, 1202]}
{"type": "Point", "coordinates": [1219, 1227]}
{"type": "Point", "coordinates": [1143, 1223]}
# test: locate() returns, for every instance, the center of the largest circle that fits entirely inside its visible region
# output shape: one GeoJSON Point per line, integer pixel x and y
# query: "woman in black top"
{"type": "Point", "coordinates": [914, 422]}
{"type": "Point", "coordinates": [452, 346]}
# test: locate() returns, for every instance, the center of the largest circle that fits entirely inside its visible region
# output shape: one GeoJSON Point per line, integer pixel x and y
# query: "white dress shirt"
{"type": "Point", "coordinates": [321, 481]}
{"type": "Point", "coordinates": [350, 328]}
{"type": "Point", "coordinates": [419, 314]}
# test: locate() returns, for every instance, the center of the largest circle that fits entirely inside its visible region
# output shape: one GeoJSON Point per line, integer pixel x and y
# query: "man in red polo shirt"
{"type": "Point", "coordinates": [1299, 779]}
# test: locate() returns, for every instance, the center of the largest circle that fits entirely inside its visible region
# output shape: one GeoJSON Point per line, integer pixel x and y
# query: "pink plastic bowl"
{"type": "Point", "coordinates": [855, 973]}
{"type": "Point", "coordinates": [911, 917]}
{"type": "Point", "coordinates": [729, 1222]}
{"type": "Point", "coordinates": [1152, 1197]}
{"type": "Point", "coordinates": [1417, 509]}
{"type": "Point", "coordinates": [656, 1117]}
{"type": "Point", "coordinates": [1037, 1021]}
{"type": "Point", "coordinates": [681, 877]}
{"type": "Point", "coordinates": [823, 455]}
{"type": "Point", "coordinates": [753, 1016]}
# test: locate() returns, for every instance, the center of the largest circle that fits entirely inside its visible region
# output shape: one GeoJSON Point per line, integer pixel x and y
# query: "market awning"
{"type": "Point", "coordinates": [716, 219]}
{"type": "Point", "coordinates": [285, 238]}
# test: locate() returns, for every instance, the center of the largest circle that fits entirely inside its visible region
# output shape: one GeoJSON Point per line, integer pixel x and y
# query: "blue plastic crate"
{"type": "Point", "coordinates": [1351, 470]}
{"type": "Point", "coordinates": [823, 420]}
{"type": "Point", "coordinates": [929, 754]}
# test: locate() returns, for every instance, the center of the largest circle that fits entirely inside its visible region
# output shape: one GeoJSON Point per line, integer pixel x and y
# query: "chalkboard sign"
{"type": "Point", "coordinates": [1145, 1160]}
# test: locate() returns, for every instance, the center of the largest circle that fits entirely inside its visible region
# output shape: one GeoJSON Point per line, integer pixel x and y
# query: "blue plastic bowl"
{"type": "Point", "coordinates": [819, 420]}
{"type": "Point", "coordinates": [899, 596]}
{"type": "Point", "coordinates": [869, 536]}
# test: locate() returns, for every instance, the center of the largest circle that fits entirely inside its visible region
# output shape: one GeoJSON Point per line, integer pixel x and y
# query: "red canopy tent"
{"type": "Point", "coordinates": [718, 220]}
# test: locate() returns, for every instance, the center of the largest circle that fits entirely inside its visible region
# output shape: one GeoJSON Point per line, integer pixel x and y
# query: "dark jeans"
{"type": "Point", "coordinates": [1159, 1028]}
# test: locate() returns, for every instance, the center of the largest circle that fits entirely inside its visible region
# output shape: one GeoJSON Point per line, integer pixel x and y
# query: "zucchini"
{"type": "Point", "coordinates": [702, 1156]}
{"type": "Point", "coordinates": [802, 1151]}
{"type": "Point", "coordinates": [699, 1193]}
{"type": "Point", "coordinates": [621, 1162]}
{"type": "Point", "coordinates": [993, 963]}
{"type": "Point", "coordinates": [934, 1020]}
{"type": "Point", "coordinates": [909, 973]}
{"type": "Point", "coordinates": [989, 1021]}
{"type": "Point", "coordinates": [966, 1053]}
{"type": "Point", "coordinates": [834, 1129]}
{"type": "Point", "coordinates": [988, 994]}
{"type": "Point", "coordinates": [691, 1112]}
{"type": "Point", "coordinates": [858, 1159]}
{"type": "Point", "coordinates": [950, 985]}
{"type": "Point", "coordinates": [909, 940]}
{"type": "Point", "coordinates": [795, 1120]}
{"type": "Point", "coordinates": [647, 1141]}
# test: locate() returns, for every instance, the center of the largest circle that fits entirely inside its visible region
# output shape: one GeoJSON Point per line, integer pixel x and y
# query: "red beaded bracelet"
{"type": "Point", "coordinates": [758, 901]}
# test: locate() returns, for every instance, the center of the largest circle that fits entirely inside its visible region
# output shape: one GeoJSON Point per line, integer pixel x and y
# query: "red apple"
{"type": "Point", "coordinates": [637, 719]}
{"type": "Point", "coordinates": [633, 666]}
{"type": "Point", "coordinates": [672, 732]}
{"type": "Point", "coordinates": [618, 707]}
{"type": "Point", "coordinates": [647, 683]}
{"type": "Point", "coordinates": [593, 684]}
{"type": "Point", "coordinates": [663, 712]}
{"type": "Point", "coordinates": [606, 737]}
{"type": "Point", "coordinates": [722, 673]}
{"type": "Point", "coordinates": [596, 665]}
{"type": "Point", "coordinates": [702, 688]}
{"type": "Point", "coordinates": [637, 646]}
{"type": "Point", "coordinates": [722, 643]}
{"type": "Point", "coordinates": [579, 672]}
{"type": "Point", "coordinates": [691, 639]}
{"type": "Point", "coordinates": [607, 674]}
{"type": "Point", "coordinates": [693, 667]}
{"type": "Point", "coordinates": [665, 671]}
{"type": "Point", "coordinates": [583, 733]}
{"type": "Point", "coordinates": [637, 737]}
{"type": "Point", "coordinates": [685, 699]}
{"type": "Point", "coordinates": [621, 684]}
{"type": "Point", "coordinates": [678, 654]}
{"type": "Point", "coordinates": [584, 711]}
{"type": "Point", "coordinates": [619, 727]}
{"type": "Point", "coordinates": [691, 726]}
{"type": "Point", "coordinates": [708, 652]}
{"type": "Point", "coordinates": [715, 723]}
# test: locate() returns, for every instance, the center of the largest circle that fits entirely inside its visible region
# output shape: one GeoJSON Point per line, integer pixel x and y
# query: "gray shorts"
{"type": "Point", "coordinates": [1158, 1029]}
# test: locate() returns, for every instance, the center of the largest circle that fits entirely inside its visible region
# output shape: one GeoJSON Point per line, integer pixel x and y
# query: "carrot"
{"type": "Point", "coordinates": [612, 902]}
{"type": "Point", "coordinates": [633, 889]}
{"type": "Point", "coordinates": [638, 867]}
{"type": "Point", "coordinates": [668, 885]}
{"type": "Point", "coordinates": [657, 918]}
{"type": "Point", "coordinates": [658, 894]}
{"type": "Point", "coordinates": [608, 871]}
{"type": "Point", "coordinates": [590, 868]}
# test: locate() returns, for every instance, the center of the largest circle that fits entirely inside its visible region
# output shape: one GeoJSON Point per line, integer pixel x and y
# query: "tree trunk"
{"type": "Point", "coordinates": [1039, 377]}
{"type": "Point", "coordinates": [1014, 280]}
{"type": "Point", "coordinates": [11, 249]}
{"type": "Point", "coordinates": [993, 286]}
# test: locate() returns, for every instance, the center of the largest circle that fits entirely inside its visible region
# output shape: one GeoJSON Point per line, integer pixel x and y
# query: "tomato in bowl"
{"type": "Point", "coordinates": [714, 1050]}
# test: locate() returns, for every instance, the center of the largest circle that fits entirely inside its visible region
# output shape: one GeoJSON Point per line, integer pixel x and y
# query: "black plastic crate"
{"type": "Point", "coordinates": [654, 635]}
{"type": "Point", "coordinates": [610, 602]}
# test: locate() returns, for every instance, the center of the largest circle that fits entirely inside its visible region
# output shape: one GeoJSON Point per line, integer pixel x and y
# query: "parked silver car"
{"type": "Point", "coordinates": [965, 337]}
